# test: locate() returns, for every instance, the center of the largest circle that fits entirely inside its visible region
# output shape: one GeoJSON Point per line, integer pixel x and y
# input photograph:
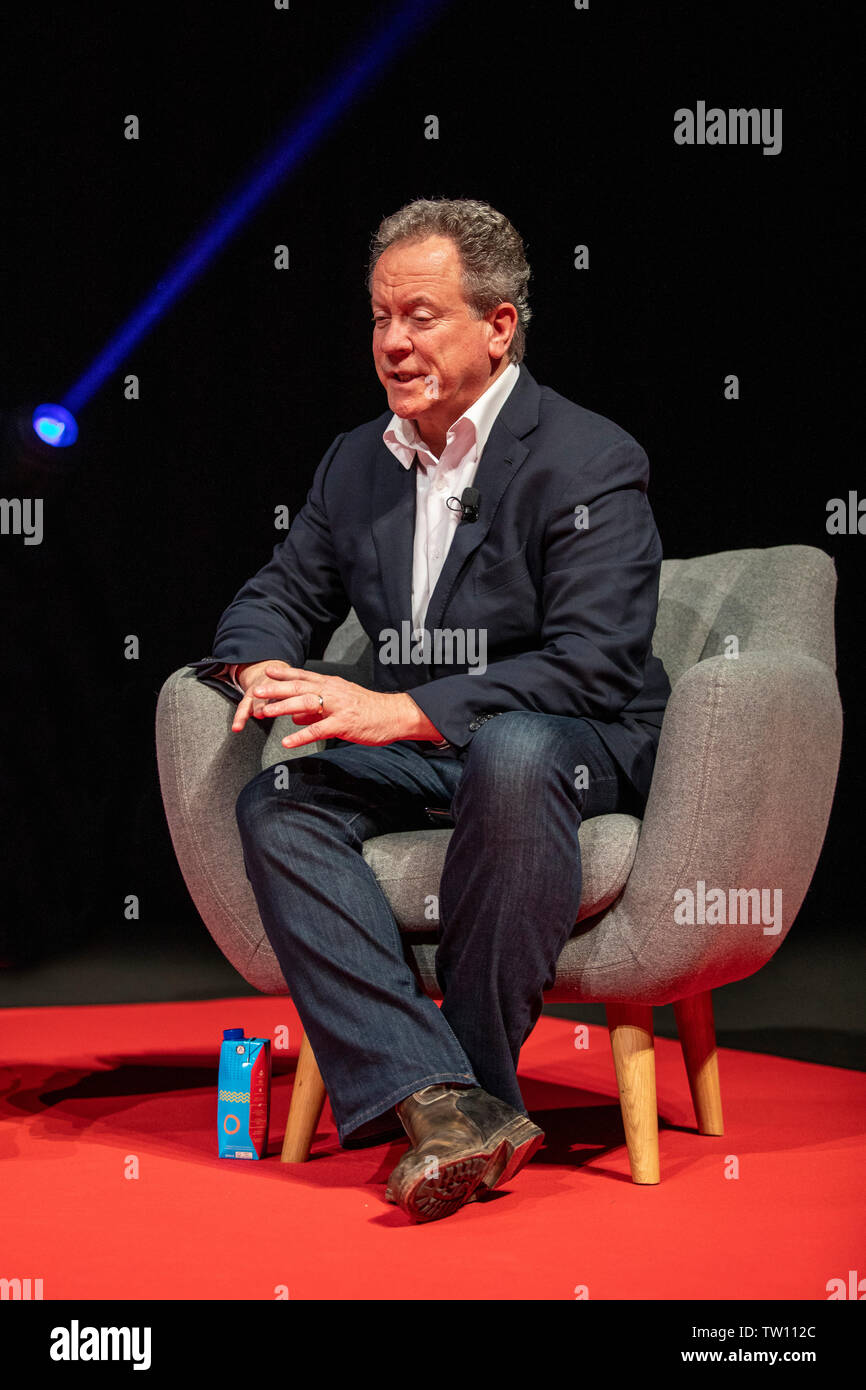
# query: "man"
{"type": "Point", "coordinates": [533, 701]}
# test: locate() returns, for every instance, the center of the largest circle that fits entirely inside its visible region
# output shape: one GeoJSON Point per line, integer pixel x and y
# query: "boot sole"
{"type": "Point", "coordinates": [430, 1198]}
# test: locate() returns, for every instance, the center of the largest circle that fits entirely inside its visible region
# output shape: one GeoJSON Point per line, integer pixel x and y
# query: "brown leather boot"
{"type": "Point", "coordinates": [461, 1138]}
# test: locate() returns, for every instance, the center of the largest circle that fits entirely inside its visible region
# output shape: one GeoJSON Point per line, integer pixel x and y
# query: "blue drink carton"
{"type": "Point", "coordinates": [244, 1104]}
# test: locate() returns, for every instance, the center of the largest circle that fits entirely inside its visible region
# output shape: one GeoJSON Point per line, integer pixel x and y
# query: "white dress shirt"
{"type": "Point", "coordinates": [439, 479]}
{"type": "Point", "coordinates": [436, 480]}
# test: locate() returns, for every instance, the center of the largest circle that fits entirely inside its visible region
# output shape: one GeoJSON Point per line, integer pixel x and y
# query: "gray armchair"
{"type": "Point", "coordinates": [740, 800]}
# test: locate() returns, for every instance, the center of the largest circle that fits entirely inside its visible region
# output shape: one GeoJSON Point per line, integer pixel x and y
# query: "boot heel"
{"type": "Point", "coordinates": [520, 1141]}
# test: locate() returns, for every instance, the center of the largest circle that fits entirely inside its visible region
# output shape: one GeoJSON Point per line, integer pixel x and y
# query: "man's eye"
{"type": "Point", "coordinates": [416, 318]}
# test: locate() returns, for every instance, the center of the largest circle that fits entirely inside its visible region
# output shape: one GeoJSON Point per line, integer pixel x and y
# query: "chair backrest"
{"type": "Point", "coordinates": [779, 598]}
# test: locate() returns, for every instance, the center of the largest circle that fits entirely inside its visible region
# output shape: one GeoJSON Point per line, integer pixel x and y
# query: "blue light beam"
{"type": "Point", "coordinates": [408, 20]}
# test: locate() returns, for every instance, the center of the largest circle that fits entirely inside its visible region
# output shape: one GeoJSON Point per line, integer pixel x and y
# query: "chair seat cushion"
{"type": "Point", "coordinates": [408, 867]}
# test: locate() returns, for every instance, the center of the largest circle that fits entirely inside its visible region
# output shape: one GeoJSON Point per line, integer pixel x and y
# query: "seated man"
{"type": "Point", "coordinates": [514, 685]}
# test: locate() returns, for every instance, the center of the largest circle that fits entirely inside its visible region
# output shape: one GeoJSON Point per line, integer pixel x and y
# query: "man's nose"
{"type": "Point", "coordinates": [395, 341]}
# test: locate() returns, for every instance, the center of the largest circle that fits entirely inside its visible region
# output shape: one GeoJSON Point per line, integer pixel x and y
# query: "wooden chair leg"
{"type": "Point", "coordinates": [631, 1039]}
{"type": "Point", "coordinates": [698, 1038]}
{"type": "Point", "coordinates": [305, 1108]}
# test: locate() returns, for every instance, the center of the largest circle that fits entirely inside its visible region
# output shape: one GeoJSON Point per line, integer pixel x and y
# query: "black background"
{"type": "Point", "coordinates": [703, 262]}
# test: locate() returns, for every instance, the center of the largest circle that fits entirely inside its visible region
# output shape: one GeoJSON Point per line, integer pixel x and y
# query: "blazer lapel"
{"type": "Point", "coordinates": [394, 506]}
{"type": "Point", "coordinates": [503, 455]}
{"type": "Point", "coordinates": [394, 490]}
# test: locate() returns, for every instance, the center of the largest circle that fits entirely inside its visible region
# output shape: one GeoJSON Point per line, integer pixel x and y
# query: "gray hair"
{"type": "Point", "coordinates": [495, 268]}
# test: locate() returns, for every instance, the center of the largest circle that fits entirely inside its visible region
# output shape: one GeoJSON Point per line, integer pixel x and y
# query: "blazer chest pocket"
{"type": "Point", "coordinates": [506, 571]}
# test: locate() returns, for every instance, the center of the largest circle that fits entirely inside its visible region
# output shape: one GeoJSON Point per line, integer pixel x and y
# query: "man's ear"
{"type": "Point", "coordinates": [495, 317]}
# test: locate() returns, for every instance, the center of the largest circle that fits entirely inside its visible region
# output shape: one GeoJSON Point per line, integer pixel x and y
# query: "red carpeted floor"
{"type": "Point", "coordinates": [87, 1089]}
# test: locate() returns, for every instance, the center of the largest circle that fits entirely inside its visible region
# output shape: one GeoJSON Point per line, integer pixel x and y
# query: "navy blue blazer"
{"type": "Point", "coordinates": [565, 599]}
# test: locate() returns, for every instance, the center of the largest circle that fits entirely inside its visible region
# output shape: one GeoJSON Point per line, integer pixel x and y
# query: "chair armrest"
{"type": "Point", "coordinates": [203, 767]}
{"type": "Point", "coordinates": [740, 799]}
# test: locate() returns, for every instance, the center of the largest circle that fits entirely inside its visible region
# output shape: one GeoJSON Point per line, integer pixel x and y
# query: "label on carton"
{"type": "Point", "coordinates": [244, 1101]}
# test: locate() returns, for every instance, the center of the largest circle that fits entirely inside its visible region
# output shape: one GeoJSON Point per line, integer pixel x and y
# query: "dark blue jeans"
{"type": "Point", "coordinates": [508, 902]}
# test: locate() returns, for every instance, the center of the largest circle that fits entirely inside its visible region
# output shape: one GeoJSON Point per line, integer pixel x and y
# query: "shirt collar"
{"type": "Point", "coordinates": [403, 439]}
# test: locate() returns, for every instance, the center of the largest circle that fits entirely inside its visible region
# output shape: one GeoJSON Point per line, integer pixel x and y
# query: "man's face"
{"type": "Point", "coordinates": [433, 358]}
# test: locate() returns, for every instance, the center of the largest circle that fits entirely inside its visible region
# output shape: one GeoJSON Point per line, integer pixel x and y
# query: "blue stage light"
{"type": "Point", "coordinates": [55, 426]}
{"type": "Point", "coordinates": [356, 73]}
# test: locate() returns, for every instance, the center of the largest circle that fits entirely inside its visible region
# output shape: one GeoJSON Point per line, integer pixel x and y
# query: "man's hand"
{"type": "Point", "coordinates": [246, 675]}
{"type": "Point", "coordinates": [347, 711]}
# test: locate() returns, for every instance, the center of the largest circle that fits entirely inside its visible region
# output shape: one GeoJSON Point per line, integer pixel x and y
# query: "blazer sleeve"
{"type": "Point", "coordinates": [297, 595]}
{"type": "Point", "coordinates": [599, 597]}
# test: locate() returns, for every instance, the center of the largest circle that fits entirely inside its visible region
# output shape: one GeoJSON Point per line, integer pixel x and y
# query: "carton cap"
{"type": "Point", "coordinates": [229, 1034]}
